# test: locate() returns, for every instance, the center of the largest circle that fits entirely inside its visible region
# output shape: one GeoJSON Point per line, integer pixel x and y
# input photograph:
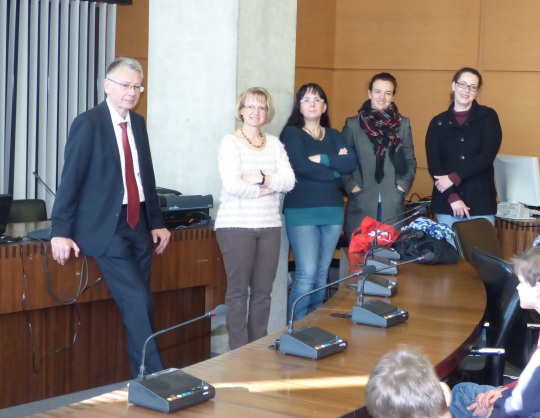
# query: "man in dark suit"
{"type": "Point", "coordinates": [107, 205]}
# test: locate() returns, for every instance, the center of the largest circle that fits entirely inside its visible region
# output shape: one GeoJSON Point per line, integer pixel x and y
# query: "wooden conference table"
{"type": "Point", "coordinates": [445, 305]}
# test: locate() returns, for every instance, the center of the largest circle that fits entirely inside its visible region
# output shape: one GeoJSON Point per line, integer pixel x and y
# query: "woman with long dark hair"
{"type": "Point", "coordinates": [314, 208]}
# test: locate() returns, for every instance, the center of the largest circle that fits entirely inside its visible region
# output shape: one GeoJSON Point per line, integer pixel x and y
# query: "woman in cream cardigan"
{"type": "Point", "coordinates": [254, 170]}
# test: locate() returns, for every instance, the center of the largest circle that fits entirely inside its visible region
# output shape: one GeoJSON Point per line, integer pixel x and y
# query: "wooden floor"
{"type": "Point", "coordinates": [445, 305]}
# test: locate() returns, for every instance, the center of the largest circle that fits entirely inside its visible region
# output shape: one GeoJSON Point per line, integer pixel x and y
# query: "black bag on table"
{"type": "Point", "coordinates": [413, 243]}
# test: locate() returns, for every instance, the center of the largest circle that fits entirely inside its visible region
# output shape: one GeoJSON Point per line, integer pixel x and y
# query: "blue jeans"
{"type": "Point", "coordinates": [313, 247]}
{"type": "Point", "coordinates": [464, 394]}
{"type": "Point", "coordinates": [450, 220]}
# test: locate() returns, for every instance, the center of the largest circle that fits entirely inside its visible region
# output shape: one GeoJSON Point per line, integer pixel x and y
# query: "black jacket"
{"type": "Point", "coordinates": [468, 150]}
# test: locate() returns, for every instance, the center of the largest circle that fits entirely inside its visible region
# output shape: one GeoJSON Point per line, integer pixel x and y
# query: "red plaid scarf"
{"type": "Point", "coordinates": [381, 127]}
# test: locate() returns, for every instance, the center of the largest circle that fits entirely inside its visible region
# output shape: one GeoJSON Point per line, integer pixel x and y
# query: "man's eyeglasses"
{"type": "Point", "coordinates": [252, 108]}
{"type": "Point", "coordinates": [128, 87]}
{"type": "Point", "coordinates": [316, 100]}
{"type": "Point", "coordinates": [464, 86]}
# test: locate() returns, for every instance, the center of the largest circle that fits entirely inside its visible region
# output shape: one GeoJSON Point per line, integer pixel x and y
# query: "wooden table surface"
{"type": "Point", "coordinates": [445, 305]}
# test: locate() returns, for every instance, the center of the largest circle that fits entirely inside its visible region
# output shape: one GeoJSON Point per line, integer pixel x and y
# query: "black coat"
{"type": "Point", "coordinates": [469, 151]}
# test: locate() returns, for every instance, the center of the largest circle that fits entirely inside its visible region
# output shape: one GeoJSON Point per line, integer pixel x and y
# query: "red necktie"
{"type": "Point", "coordinates": [133, 200]}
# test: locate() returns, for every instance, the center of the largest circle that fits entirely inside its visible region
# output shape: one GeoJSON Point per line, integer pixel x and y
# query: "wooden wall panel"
{"type": "Point", "coordinates": [511, 35]}
{"type": "Point", "coordinates": [423, 47]}
{"type": "Point", "coordinates": [132, 39]}
{"type": "Point", "coordinates": [131, 20]}
{"type": "Point", "coordinates": [420, 96]}
{"type": "Point", "coordinates": [423, 183]}
{"type": "Point", "coordinates": [315, 41]}
{"type": "Point", "coordinates": [412, 34]}
{"type": "Point", "coordinates": [324, 78]}
{"type": "Point", "coordinates": [514, 95]}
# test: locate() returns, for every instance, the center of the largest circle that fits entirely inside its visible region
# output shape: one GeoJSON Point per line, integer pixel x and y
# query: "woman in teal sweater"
{"type": "Point", "coordinates": [314, 208]}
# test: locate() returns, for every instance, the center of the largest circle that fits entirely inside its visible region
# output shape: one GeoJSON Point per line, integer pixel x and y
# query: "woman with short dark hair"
{"type": "Point", "coordinates": [382, 140]}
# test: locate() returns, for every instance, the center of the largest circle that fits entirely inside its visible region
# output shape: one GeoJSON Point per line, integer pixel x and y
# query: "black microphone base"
{"type": "Point", "coordinates": [169, 390]}
{"type": "Point", "coordinates": [378, 286]}
{"type": "Point", "coordinates": [311, 342]}
{"type": "Point", "coordinates": [382, 265]}
{"type": "Point", "coordinates": [378, 314]}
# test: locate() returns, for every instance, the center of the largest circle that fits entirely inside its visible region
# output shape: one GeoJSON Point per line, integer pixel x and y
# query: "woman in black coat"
{"type": "Point", "coordinates": [461, 145]}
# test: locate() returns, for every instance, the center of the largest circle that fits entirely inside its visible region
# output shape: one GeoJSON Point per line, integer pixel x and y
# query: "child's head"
{"type": "Point", "coordinates": [527, 265]}
{"type": "Point", "coordinates": [403, 384]}
{"type": "Point", "coordinates": [527, 268]}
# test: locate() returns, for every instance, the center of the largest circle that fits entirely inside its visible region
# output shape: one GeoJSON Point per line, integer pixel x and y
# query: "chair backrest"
{"type": "Point", "coordinates": [28, 210]}
{"type": "Point", "coordinates": [478, 233]}
{"type": "Point", "coordinates": [495, 274]}
{"type": "Point", "coordinates": [508, 322]}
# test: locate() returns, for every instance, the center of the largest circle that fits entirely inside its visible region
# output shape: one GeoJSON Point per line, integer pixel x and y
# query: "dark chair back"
{"type": "Point", "coordinates": [495, 274]}
{"type": "Point", "coordinates": [28, 210]}
{"type": "Point", "coordinates": [479, 233]}
{"type": "Point", "coordinates": [507, 321]}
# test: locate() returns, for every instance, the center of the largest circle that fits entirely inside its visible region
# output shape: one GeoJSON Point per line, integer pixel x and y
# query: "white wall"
{"type": "Point", "coordinates": [192, 89]}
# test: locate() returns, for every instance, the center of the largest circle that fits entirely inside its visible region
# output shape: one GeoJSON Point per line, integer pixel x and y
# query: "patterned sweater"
{"type": "Point", "coordinates": [241, 206]}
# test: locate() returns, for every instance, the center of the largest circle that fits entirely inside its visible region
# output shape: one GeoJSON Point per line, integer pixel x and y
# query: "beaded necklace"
{"type": "Point", "coordinates": [251, 143]}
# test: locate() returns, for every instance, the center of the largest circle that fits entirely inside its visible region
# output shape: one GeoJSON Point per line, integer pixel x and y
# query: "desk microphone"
{"type": "Point", "coordinates": [377, 260]}
{"type": "Point", "coordinates": [377, 312]}
{"type": "Point", "coordinates": [36, 175]}
{"type": "Point", "coordinates": [311, 342]}
{"type": "Point", "coordinates": [376, 285]}
{"type": "Point", "coordinates": [171, 389]}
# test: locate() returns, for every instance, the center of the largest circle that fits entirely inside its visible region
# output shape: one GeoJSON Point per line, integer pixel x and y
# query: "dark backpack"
{"type": "Point", "coordinates": [413, 243]}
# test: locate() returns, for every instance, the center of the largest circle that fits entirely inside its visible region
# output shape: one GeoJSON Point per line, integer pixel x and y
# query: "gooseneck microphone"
{"type": "Point", "coordinates": [171, 389]}
{"type": "Point", "coordinates": [311, 342]}
{"type": "Point", "coordinates": [377, 261]}
{"type": "Point", "coordinates": [220, 310]}
{"type": "Point", "coordinates": [366, 271]}
{"type": "Point", "coordinates": [39, 179]}
{"type": "Point", "coordinates": [293, 308]}
{"type": "Point", "coordinates": [377, 312]}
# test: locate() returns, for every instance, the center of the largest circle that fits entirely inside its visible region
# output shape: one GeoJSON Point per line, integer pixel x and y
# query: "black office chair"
{"type": "Point", "coordinates": [506, 334]}
{"type": "Point", "coordinates": [479, 233]}
{"type": "Point", "coordinates": [28, 210]}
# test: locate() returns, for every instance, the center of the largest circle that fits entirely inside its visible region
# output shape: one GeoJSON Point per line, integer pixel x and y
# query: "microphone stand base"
{"type": "Point", "coordinates": [378, 314]}
{"type": "Point", "coordinates": [169, 390]}
{"type": "Point", "coordinates": [388, 253]}
{"type": "Point", "coordinates": [311, 342]}
{"type": "Point", "coordinates": [382, 265]}
{"type": "Point", "coordinates": [378, 286]}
